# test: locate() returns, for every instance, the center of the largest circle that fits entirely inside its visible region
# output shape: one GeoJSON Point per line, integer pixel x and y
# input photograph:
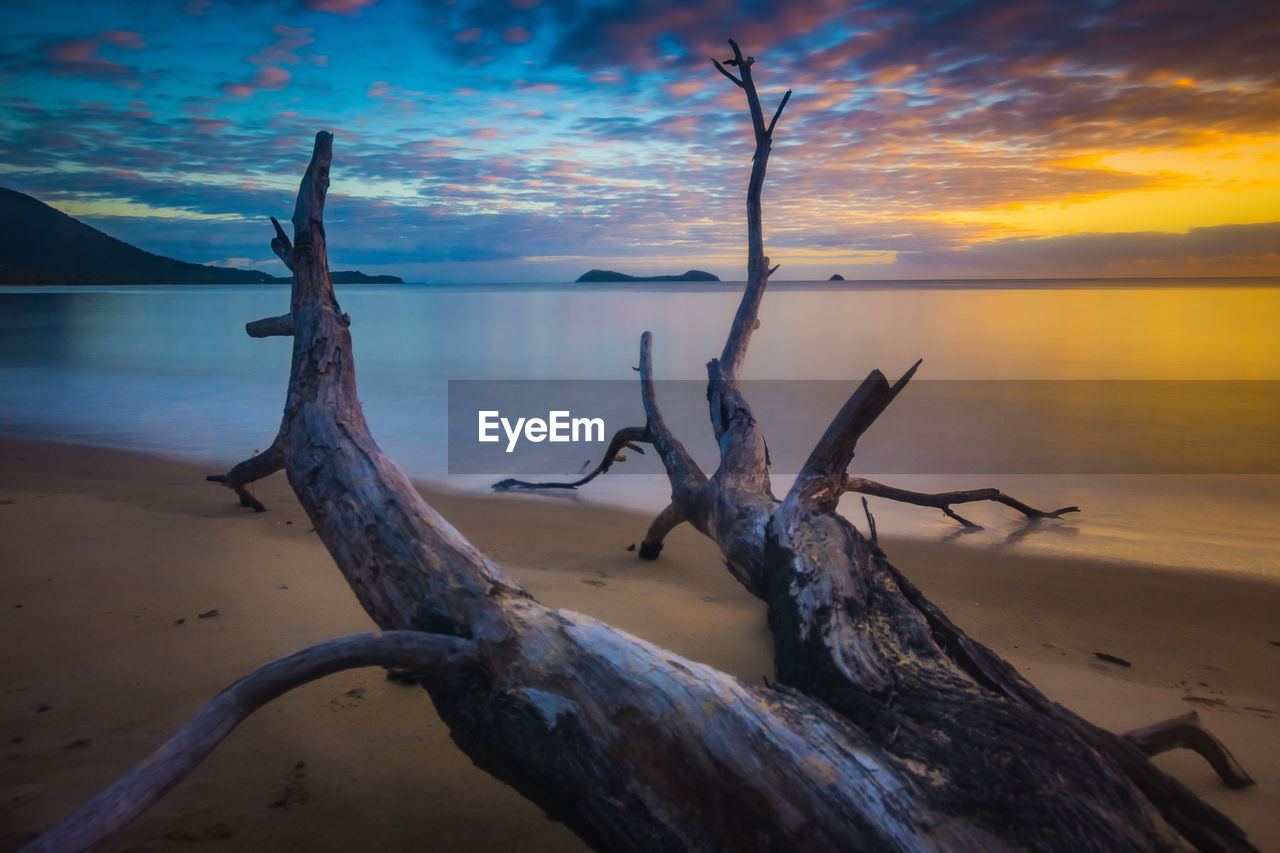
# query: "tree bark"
{"type": "Point", "coordinates": [889, 729]}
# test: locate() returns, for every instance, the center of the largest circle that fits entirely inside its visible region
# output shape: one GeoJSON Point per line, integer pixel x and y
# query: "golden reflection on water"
{"type": "Point", "coordinates": [1131, 333]}
{"type": "Point", "coordinates": [1179, 473]}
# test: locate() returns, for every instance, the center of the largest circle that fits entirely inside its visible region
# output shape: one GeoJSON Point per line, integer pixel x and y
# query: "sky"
{"type": "Point", "coordinates": [530, 140]}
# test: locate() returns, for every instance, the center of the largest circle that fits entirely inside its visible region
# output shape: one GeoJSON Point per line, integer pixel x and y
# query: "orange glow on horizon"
{"type": "Point", "coordinates": [1227, 180]}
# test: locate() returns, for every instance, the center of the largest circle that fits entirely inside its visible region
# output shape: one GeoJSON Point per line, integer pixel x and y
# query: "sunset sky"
{"type": "Point", "coordinates": [528, 140]}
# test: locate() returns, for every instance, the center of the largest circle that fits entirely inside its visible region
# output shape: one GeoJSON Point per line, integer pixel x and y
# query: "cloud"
{"type": "Point", "coordinates": [283, 51]}
{"type": "Point", "coordinates": [603, 124]}
{"type": "Point", "coordinates": [123, 38]}
{"type": "Point", "coordinates": [270, 77]}
{"type": "Point", "coordinates": [339, 7]}
{"type": "Point", "coordinates": [264, 79]}
{"type": "Point", "coordinates": [79, 57]}
{"type": "Point", "coordinates": [1221, 249]}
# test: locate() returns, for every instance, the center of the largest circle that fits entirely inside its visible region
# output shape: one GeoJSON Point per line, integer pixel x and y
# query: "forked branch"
{"type": "Point", "coordinates": [945, 500]}
{"type": "Point", "coordinates": [758, 270]}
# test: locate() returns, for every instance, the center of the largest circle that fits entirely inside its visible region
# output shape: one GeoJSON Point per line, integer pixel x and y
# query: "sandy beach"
{"type": "Point", "coordinates": [132, 591]}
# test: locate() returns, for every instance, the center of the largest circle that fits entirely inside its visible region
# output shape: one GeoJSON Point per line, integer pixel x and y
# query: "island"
{"type": "Point", "coordinates": [836, 277]}
{"type": "Point", "coordinates": [357, 277]}
{"type": "Point", "coordinates": [610, 275]}
{"type": "Point", "coordinates": [43, 245]}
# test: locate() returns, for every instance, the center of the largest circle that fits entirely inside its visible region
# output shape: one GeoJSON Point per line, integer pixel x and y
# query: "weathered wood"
{"type": "Point", "coordinates": [627, 438]}
{"type": "Point", "coordinates": [631, 746]}
{"type": "Point", "coordinates": [1187, 732]}
{"type": "Point", "coordinates": [669, 519]}
{"type": "Point", "coordinates": [851, 630]}
{"type": "Point", "coordinates": [281, 245]}
{"type": "Point", "coordinates": [267, 327]}
{"type": "Point", "coordinates": [241, 478]}
{"type": "Point", "coordinates": [890, 730]}
{"type": "Point", "coordinates": [945, 500]}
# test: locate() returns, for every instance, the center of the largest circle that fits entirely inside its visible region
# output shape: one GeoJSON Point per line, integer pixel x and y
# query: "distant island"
{"type": "Point", "coordinates": [610, 275]}
{"type": "Point", "coordinates": [43, 245]}
{"type": "Point", "coordinates": [836, 277]}
{"type": "Point", "coordinates": [357, 277]}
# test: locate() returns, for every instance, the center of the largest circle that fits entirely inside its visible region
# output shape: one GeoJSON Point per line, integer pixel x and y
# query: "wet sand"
{"type": "Point", "coordinates": [109, 559]}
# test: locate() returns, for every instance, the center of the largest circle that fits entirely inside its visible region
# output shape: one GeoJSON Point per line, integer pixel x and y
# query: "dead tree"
{"type": "Point", "coordinates": [889, 729]}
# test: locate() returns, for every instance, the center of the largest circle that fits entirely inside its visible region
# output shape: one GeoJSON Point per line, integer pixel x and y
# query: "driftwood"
{"type": "Point", "coordinates": [889, 729]}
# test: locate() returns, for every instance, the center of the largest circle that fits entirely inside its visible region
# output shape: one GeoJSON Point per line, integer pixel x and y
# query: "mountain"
{"type": "Point", "coordinates": [42, 245]}
{"type": "Point", "coordinates": [610, 275]}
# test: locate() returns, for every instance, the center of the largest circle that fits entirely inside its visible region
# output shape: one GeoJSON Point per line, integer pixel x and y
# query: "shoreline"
{"type": "Point", "coordinates": [106, 550]}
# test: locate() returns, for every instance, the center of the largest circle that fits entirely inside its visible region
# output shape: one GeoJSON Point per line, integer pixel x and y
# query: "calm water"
{"type": "Point", "coordinates": [1186, 372]}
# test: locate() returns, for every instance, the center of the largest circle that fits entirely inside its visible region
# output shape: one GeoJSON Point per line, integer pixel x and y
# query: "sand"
{"type": "Point", "coordinates": [109, 559]}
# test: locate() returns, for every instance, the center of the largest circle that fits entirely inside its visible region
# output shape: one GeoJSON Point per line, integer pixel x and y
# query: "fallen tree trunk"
{"type": "Point", "coordinates": [889, 729]}
{"type": "Point", "coordinates": [851, 630]}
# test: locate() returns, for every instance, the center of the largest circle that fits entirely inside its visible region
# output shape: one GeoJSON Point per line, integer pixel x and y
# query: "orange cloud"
{"type": "Point", "coordinates": [264, 79]}
{"type": "Point", "coordinates": [339, 7]}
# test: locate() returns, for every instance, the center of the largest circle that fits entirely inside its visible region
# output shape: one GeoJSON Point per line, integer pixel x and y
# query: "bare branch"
{"type": "Point", "coordinates": [267, 327]}
{"type": "Point", "coordinates": [821, 475]}
{"type": "Point", "coordinates": [778, 112]}
{"type": "Point", "coordinates": [434, 655]}
{"type": "Point", "coordinates": [758, 270]}
{"type": "Point", "coordinates": [281, 245]}
{"type": "Point", "coordinates": [686, 478]}
{"type": "Point", "coordinates": [667, 520]}
{"type": "Point", "coordinates": [1186, 732]}
{"type": "Point", "coordinates": [684, 474]}
{"type": "Point", "coordinates": [745, 321]}
{"type": "Point", "coordinates": [905, 378]}
{"type": "Point", "coordinates": [726, 72]}
{"type": "Point", "coordinates": [240, 479]}
{"type": "Point", "coordinates": [873, 538]}
{"type": "Point", "coordinates": [945, 500]}
{"type": "Point", "coordinates": [625, 437]}
{"type": "Point", "coordinates": [753, 99]}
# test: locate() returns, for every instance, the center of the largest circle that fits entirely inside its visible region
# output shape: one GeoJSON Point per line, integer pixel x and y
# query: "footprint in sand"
{"type": "Point", "coordinates": [350, 699]}
{"type": "Point", "coordinates": [296, 792]}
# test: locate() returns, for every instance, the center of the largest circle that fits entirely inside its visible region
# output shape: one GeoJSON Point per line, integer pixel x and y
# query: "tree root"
{"type": "Point", "coordinates": [1186, 732]}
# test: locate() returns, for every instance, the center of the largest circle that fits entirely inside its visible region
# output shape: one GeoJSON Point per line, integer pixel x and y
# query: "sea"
{"type": "Point", "coordinates": [1153, 405]}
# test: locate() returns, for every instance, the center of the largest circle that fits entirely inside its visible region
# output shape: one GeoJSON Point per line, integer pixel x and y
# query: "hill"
{"type": "Point", "coordinates": [610, 275]}
{"type": "Point", "coordinates": [42, 245]}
